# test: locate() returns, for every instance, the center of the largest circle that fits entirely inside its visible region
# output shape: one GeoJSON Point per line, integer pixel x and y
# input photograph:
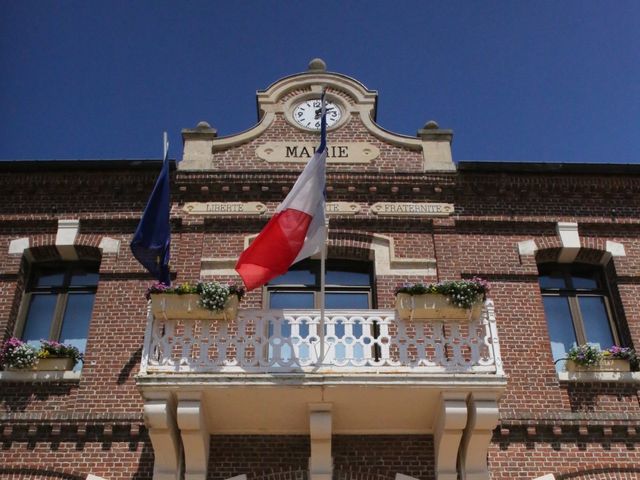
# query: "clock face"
{"type": "Point", "coordinates": [307, 114]}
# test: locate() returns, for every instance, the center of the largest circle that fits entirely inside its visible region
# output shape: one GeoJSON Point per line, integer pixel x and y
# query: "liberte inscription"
{"type": "Point", "coordinates": [413, 209]}
{"type": "Point", "coordinates": [225, 208]}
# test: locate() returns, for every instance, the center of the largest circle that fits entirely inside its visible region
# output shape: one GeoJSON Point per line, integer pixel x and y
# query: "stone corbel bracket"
{"type": "Point", "coordinates": [483, 418]}
{"type": "Point", "coordinates": [452, 420]}
{"type": "Point", "coordinates": [320, 430]}
{"type": "Point", "coordinates": [191, 417]}
{"type": "Point", "coordinates": [160, 419]}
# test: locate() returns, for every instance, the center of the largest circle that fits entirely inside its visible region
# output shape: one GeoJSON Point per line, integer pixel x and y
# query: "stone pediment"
{"type": "Point", "coordinates": [282, 125]}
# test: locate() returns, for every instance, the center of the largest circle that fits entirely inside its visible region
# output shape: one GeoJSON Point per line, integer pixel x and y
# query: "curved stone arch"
{"type": "Point", "coordinates": [19, 472]}
{"type": "Point", "coordinates": [569, 247]}
{"type": "Point", "coordinates": [68, 242]}
{"type": "Point", "coordinates": [600, 473]}
{"type": "Point", "coordinates": [281, 475]}
{"type": "Point", "coordinates": [375, 247]}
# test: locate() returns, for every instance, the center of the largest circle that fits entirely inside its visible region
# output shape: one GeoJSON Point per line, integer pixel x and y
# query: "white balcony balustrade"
{"type": "Point", "coordinates": [287, 341]}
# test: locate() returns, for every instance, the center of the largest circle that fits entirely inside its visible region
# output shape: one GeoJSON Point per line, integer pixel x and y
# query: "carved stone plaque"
{"type": "Point", "coordinates": [413, 209]}
{"type": "Point", "coordinates": [298, 152]}
{"type": "Point", "coordinates": [342, 208]}
{"type": "Point", "coordinates": [225, 208]}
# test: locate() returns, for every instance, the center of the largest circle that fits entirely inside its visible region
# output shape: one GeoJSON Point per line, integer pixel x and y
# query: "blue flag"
{"type": "Point", "coordinates": [152, 240]}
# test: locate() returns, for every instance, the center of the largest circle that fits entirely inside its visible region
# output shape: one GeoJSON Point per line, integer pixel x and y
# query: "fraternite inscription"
{"type": "Point", "coordinates": [292, 152]}
{"type": "Point", "coordinates": [413, 209]}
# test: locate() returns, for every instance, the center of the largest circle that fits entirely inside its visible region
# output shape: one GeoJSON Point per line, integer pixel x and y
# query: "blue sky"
{"type": "Point", "coordinates": [516, 80]}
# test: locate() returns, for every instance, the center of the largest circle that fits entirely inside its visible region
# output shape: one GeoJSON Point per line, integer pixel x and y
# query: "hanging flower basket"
{"type": "Point", "coordinates": [433, 306]}
{"type": "Point", "coordinates": [172, 306]}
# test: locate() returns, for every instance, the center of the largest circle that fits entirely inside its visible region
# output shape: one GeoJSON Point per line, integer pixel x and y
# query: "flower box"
{"type": "Point", "coordinates": [433, 306]}
{"type": "Point", "coordinates": [54, 363]}
{"type": "Point", "coordinates": [48, 364]}
{"type": "Point", "coordinates": [173, 306]}
{"type": "Point", "coordinates": [604, 365]}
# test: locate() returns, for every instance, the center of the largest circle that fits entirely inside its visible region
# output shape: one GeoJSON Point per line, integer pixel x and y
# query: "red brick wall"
{"type": "Point", "coordinates": [567, 454]}
{"type": "Point", "coordinates": [258, 456]}
{"type": "Point", "coordinates": [54, 450]}
{"type": "Point", "coordinates": [493, 213]}
{"type": "Point", "coordinates": [383, 456]}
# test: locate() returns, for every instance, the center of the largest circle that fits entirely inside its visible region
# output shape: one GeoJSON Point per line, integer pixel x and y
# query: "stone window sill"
{"type": "Point", "coordinates": [599, 377]}
{"type": "Point", "coordinates": [39, 376]}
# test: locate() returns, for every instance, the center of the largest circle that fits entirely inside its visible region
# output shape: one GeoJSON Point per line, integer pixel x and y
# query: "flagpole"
{"type": "Point", "coordinates": [165, 145]}
{"type": "Point", "coordinates": [323, 255]}
{"type": "Point", "coordinates": [323, 250]}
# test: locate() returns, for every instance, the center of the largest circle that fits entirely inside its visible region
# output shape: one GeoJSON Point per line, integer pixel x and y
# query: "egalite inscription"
{"type": "Point", "coordinates": [412, 209]}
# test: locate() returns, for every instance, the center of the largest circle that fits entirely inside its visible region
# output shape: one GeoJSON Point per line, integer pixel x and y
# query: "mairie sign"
{"type": "Point", "coordinates": [301, 152]}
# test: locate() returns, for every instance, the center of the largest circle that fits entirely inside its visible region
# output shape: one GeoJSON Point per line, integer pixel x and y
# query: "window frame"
{"type": "Point", "coordinates": [313, 266]}
{"type": "Point", "coordinates": [62, 293]}
{"type": "Point", "coordinates": [572, 294]}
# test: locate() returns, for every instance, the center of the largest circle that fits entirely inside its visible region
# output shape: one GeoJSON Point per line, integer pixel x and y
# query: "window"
{"type": "Point", "coordinates": [347, 285]}
{"type": "Point", "coordinates": [59, 301]}
{"type": "Point", "coordinates": [576, 305]}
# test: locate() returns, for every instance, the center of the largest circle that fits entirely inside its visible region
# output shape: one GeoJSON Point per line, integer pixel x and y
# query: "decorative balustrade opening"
{"type": "Point", "coordinates": [286, 341]}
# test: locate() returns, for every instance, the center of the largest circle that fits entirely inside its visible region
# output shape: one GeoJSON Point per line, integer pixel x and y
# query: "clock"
{"type": "Point", "coordinates": [307, 114]}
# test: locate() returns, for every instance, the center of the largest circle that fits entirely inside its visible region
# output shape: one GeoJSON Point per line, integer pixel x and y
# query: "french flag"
{"type": "Point", "coordinates": [297, 229]}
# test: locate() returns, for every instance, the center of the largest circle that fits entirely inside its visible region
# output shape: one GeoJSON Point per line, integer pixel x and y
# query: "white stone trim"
{"type": "Point", "coordinates": [39, 376]}
{"type": "Point", "coordinates": [402, 476]}
{"type": "Point", "coordinates": [615, 249]}
{"type": "Point", "coordinates": [109, 245]}
{"type": "Point", "coordinates": [448, 433]}
{"type": "Point", "coordinates": [66, 237]}
{"type": "Point", "coordinates": [527, 247]}
{"type": "Point", "coordinates": [570, 239]}
{"type": "Point", "coordinates": [388, 264]}
{"type": "Point", "coordinates": [18, 246]}
{"type": "Point", "coordinates": [568, 233]}
{"type": "Point", "coordinates": [320, 430]}
{"type": "Point", "coordinates": [382, 248]}
{"type": "Point", "coordinates": [548, 476]}
{"type": "Point", "coordinates": [195, 436]}
{"type": "Point", "coordinates": [160, 419]}
{"type": "Point", "coordinates": [214, 267]}
{"type": "Point", "coordinates": [599, 377]}
{"type": "Point", "coordinates": [94, 477]}
{"type": "Point", "coordinates": [483, 418]}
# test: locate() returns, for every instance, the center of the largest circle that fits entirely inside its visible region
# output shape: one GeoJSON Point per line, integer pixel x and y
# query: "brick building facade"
{"type": "Point", "coordinates": [164, 397]}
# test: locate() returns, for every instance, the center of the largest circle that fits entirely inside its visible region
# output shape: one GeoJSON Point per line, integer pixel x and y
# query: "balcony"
{"type": "Point", "coordinates": [280, 372]}
{"type": "Point", "coordinates": [286, 343]}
